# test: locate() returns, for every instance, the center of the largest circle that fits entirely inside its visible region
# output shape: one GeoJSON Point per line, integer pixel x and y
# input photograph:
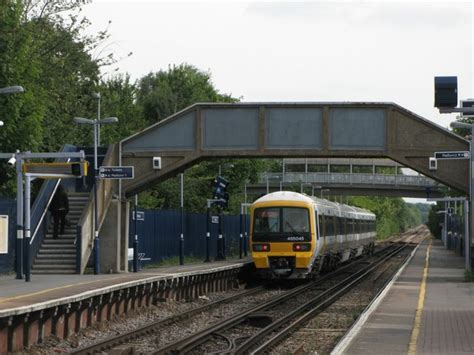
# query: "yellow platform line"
{"type": "Point", "coordinates": [3, 300]}
{"type": "Point", "coordinates": [421, 303]}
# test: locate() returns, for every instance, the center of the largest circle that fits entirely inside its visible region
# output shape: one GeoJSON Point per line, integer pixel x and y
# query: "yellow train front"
{"type": "Point", "coordinates": [296, 236]}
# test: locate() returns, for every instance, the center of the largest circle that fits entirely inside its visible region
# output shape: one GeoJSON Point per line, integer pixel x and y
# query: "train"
{"type": "Point", "coordinates": [296, 236]}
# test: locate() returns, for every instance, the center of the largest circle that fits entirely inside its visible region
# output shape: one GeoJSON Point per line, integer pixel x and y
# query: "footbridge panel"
{"type": "Point", "coordinates": [311, 130]}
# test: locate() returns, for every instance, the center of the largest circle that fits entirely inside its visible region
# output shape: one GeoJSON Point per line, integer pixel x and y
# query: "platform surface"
{"type": "Point", "coordinates": [15, 294]}
{"type": "Point", "coordinates": [446, 319]}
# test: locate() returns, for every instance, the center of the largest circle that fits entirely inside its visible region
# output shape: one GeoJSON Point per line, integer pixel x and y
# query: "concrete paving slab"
{"type": "Point", "coordinates": [17, 294]}
{"type": "Point", "coordinates": [447, 318]}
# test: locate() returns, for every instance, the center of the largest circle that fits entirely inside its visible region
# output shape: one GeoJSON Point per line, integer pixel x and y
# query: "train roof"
{"type": "Point", "coordinates": [323, 206]}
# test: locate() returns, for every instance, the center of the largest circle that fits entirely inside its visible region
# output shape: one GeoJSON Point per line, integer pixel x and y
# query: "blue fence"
{"type": "Point", "coordinates": [160, 231]}
{"type": "Point", "coordinates": [8, 208]}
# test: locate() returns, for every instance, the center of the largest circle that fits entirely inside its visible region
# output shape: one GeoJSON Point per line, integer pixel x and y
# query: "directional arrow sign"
{"type": "Point", "coordinates": [452, 155]}
{"type": "Point", "coordinates": [116, 172]}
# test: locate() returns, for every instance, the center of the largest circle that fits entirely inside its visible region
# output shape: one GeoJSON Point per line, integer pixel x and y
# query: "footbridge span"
{"type": "Point", "coordinates": [265, 130]}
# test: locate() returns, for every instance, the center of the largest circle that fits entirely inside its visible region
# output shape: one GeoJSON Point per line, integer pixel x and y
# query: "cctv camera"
{"type": "Point", "coordinates": [12, 161]}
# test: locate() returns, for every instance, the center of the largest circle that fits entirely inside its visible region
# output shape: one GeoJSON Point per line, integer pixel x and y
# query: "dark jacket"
{"type": "Point", "coordinates": [60, 201]}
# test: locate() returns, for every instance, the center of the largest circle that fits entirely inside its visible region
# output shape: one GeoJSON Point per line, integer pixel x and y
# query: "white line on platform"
{"type": "Point", "coordinates": [91, 293]}
{"type": "Point", "coordinates": [347, 339]}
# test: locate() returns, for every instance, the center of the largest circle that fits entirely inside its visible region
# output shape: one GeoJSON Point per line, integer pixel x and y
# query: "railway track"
{"type": "Point", "coordinates": [261, 327]}
{"type": "Point", "coordinates": [111, 343]}
{"type": "Point", "coordinates": [257, 326]}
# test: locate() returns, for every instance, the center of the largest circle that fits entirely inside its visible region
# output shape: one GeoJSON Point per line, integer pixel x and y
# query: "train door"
{"type": "Point", "coordinates": [319, 232]}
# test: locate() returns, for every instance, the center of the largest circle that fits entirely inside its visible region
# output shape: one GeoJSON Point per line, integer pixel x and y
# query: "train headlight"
{"type": "Point", "coordinates": [302, 247]}
{"type": "Point", "coordinates": [261, 247]}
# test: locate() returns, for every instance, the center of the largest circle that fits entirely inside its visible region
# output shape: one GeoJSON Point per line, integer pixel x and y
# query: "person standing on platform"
{"type": "Point", "coordinates": [59, 209]}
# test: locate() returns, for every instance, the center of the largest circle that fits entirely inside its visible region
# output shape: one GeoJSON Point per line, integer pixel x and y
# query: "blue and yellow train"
{"type": "Point", "coordinates": [296, 236]}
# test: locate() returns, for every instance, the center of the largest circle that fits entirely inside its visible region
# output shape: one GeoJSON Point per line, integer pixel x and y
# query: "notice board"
{"type": "Point", "coordinates": [3, 234]}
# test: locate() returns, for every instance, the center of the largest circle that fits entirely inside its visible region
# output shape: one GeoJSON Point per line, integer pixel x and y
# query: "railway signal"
{"type": "Point", "coordinates": [220, 195]}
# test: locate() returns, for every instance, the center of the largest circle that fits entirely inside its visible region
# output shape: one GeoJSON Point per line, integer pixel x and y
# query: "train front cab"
{"type": "Point", "coordinates": [283, 238]}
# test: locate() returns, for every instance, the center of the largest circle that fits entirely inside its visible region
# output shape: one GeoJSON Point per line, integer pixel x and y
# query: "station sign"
{"type": "Point", "coordinates": [56, 170]}
{"type": "Point", "coordinates": [116, 172]}
{"type": "Point", "coordinates": [140, 215]}
{"type": "Point", "coordinates": [452, 155]}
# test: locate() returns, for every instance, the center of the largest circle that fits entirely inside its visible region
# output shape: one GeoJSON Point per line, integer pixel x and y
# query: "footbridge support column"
{"type": "Point", "coordinates": [114, 238]}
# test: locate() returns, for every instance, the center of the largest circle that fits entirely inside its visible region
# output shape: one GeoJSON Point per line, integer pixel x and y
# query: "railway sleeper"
{"type": "Point", "coordinates": [260, 320]}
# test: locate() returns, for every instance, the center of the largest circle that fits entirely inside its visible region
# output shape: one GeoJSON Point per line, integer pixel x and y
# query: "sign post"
{"type": "Point", "coordinates": [120, 173]}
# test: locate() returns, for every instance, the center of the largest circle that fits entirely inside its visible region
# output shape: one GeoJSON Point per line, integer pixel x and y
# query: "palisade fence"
{"type": "Point", "coordinates": [160, 231]}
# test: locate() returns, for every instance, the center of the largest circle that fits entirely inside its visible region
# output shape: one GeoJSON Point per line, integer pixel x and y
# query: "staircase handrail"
{"type": "Point", "coordinates": [45, 196]}
{"type": "Point", "coordinates": [85, 227]}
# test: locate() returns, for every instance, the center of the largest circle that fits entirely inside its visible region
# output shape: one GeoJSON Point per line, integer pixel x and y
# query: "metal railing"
{"type": "Point", "coordinates": [349, 179]}
{"type": "Point", "coordinates": [39, 210]}
{"type": "Point", "coordinates": [85, 226]}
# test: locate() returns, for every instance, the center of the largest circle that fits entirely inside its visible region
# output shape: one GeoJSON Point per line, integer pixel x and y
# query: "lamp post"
{"type": "Point", "coordinates": [96, 123]}
{"type": "Point", "coordinates": [96, 95]}
{"type": "Point", "coordinates": [181, 237]}
{"type": "Point", "coordinates": [12, 89]}
{"type": "Point", "coordinates": [469, 126]}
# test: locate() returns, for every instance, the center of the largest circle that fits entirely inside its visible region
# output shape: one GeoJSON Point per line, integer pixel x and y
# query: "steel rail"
{"type": "Point", "coordinates": [186, 344]}
{"type": "Point", "coordinates": [315, 306]}
{"type": "Point", "coordinates": [110, 343]}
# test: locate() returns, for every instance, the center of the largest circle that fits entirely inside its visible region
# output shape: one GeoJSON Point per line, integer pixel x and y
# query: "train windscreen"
{"type": "Point", "coordinates": [281, 224]}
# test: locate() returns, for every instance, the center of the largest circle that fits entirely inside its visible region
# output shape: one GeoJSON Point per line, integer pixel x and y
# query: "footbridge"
{"type": "Point", "coordinates": [347, 177]}
{"type": "Point", "coordinates": [264, 130]}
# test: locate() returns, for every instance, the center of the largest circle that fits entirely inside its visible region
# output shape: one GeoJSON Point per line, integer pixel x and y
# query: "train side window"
{"type": "Point", "coordinates": [321, 226]}
{"type": "Point", "coordinates": [317, 225]}
{"type": "Point", "coordinates": [330, 225]}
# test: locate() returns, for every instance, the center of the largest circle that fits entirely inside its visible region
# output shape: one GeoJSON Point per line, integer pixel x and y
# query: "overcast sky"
{"type": "Point", "coordinates": [300, 51]}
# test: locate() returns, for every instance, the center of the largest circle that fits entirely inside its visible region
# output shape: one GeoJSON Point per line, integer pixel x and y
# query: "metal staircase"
{"type": "Point", "coordinates": [58, 256]}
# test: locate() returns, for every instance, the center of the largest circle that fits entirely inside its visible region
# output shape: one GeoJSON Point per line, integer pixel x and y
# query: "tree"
{"type": "Point", "coordinates": [21, 113]}
{"type": "Point", "coordinates": [393, 214]}
{"type": "Point", "coordinates": [434, 220]}
{"type": "Point", "coordinates": [45, 51]}
{"type": "Point", "coordinates": [118, 99]}
{"type": "Point", "coordinates": [164, 93]}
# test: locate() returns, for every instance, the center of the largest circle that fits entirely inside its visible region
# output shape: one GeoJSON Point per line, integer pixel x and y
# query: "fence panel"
{"type": "Point", "coordinates": [159, 234]}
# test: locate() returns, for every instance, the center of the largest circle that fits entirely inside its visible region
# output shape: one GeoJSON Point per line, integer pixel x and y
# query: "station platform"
{"type": "Point", "coordinates": [428, 309]}
{"type": "Point", "coordinates": [49, 290]}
